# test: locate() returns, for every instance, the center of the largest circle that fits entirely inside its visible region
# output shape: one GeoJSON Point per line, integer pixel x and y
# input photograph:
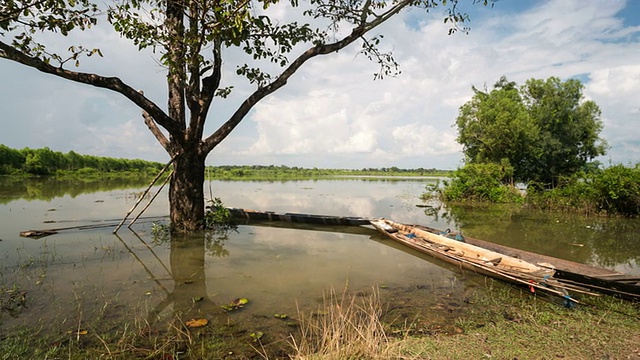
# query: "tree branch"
{"type": "Point", "coordinates": [196, 38]}
{"type": "Point", "coordinates": [175, 57]}
{"type": "Point", "coordinates": [155, 130]}
{"type": "Point", "coordinates": [225, 129]}
{"type": "Point", "coordinates": [110, 83]}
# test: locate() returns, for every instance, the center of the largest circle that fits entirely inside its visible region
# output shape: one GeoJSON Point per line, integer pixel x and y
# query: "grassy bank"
{"type": "Point", "coordinates": [505, 325]}
{"type": "Point", "coordinates": [500, 323]}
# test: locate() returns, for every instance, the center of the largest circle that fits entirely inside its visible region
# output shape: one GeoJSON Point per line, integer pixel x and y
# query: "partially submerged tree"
{"type": "Point", "coordinates": [192, 35]}
{"type": "Point", "coordinates": [544, 129]}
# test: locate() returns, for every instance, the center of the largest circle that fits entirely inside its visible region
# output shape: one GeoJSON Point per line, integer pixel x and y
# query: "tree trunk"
{"type": "Point", "coordinates": [186, 194]}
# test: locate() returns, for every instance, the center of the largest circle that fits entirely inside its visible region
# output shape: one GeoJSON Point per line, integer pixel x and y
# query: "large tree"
{"type": "Point", "coordinates": [543, 129]}
{"type": "Point", "coordinates": [569, 128]}
{"type": "Point", "coordinates": [192, 36]}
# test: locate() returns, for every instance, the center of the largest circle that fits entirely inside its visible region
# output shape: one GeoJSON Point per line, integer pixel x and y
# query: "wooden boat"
{"type": "Point", "coordinates": [597, 279]}
{"type": "Point", "coordinates": [539, 272]}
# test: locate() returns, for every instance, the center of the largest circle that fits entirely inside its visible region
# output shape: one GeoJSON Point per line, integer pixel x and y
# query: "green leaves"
{"type": "Point", "coordinates": [569, 126]}
{"type": "Point", "coordinates": [483, 182]}
{"type": "Point", "coordinates": [142, 26]}
{"type": "Point", "coordinates": [33, 16]}
{"type": "Point", "coordinates": [544, 128]}
{"type": "Point", "coordinates": [388, 65]}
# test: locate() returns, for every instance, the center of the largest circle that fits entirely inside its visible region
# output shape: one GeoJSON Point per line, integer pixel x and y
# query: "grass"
{"type": "Point", "coordinates": [134, 339]}
{"type": "Point", "coordinates": [346, 327]}
{"type": "Point", "coordinates": [504, 323]}
{"type": "Point", "coordinates": [500, 322]}
{"type": "Point", "coordinates": [508, 324]}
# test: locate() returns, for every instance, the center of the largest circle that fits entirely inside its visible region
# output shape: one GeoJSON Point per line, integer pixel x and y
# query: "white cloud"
{"type": "Point", "coordinates": [331, 113]}
{"type": "Point", "coordinates": [621, 83]}
{"type": "Point", "coordinates": [616, 90]}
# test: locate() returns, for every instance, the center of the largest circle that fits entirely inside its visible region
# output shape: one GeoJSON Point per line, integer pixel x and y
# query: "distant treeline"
{"type": "Point", "coordinates": [286, 172]}
{"type": "Point", "coordinates": [48, 162]}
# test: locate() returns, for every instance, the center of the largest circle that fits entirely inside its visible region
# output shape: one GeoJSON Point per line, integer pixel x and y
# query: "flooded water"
{"type": "Point", "coordinates": [91, 278]}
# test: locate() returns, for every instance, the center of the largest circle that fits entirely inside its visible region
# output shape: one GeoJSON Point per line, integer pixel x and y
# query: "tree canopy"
{"type": "Point", "coordinates": [194, 39]}
{"type": "Point", "coordinates": [543, 129]}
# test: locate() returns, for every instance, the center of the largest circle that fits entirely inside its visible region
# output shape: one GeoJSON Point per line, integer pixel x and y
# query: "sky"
{"type": "Point", "coordinates": [331, 113]}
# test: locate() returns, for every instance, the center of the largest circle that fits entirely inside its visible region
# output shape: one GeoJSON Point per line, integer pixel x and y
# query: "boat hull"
{"type": "Point", "coordinates": [476, 259]}
{"type": "Point", "coordinates": [581, 276]}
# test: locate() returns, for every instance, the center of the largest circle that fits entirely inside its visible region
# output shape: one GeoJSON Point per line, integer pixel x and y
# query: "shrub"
{"type": "Point", "coordinates": [573, 193]}
{"type": "Point", "coordinates": [218, 217]}
{"type": "Point", "coordinates": [618, 190]}
{"type": "Point", "coordinates": [612, 191]}
{"type": "Point", "coordinates": [482, 182]}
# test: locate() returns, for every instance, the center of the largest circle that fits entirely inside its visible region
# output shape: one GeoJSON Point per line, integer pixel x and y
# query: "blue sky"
{"type": "Point", "coordinates": [332, 114]}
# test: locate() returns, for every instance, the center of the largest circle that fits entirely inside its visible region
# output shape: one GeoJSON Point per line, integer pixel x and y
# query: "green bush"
{"type": "Point", "coordinates": [618, 190]}
{"type": "Point", "coordinates": [218, 217]}
{"type": "Point", "coordinates": [481, 182]}
{"type": "Point", "coordinates": [572, 194]}
{"type": "Point", "coordinates": [612, 191]}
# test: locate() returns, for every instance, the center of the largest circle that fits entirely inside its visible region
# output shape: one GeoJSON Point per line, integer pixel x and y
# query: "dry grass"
{"type": "Point", "coordinates": [345, 327]}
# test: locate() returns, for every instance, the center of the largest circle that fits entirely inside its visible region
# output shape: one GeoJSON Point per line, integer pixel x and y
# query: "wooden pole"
{"type": "Point", "coordinates": [150, 201]}
{"type": "Point", "coordinates": [144, 194]}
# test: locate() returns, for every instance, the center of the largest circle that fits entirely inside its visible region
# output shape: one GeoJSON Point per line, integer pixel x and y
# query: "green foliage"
{"type": "Point", "coordinates": [218, 223]}
{"type": "Point", "coordinates": [24, 18]}
{"type": "Point", "coordinates": [10, 160]}
{"type": "Point", "coordinates": [571, 194]}
{"type": "Point", "coordinates": [481, 182]}
{"type": "Point", "coordinates": [544, 129]}
{"type": "Point", "coordinates": [218, 216]}
{"type": "Point", "coordinates": [47, 162]}
{"type": "Point", "coordinates": [161, 232]}
{"type": "Point", "coordinates": [569, 127]}
{"type": "Point", "coordinates": [495, 126]}
{"type": "Point", "coordinates": [612, 191]}
{"type": "Point", "coordinates": [618, 189]}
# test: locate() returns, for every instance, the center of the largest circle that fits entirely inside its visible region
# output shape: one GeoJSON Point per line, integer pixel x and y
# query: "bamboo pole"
{"type": "Point", "coordinates": [144, 194]}
{"type": "Point", "coordinates": [209, 180]}
{"type": "Point", "coordinates": [151, 200]}
{"type": "Point", "coordinates": [146, 269]}
{"type": "Point", "coordinates": [153, 253]}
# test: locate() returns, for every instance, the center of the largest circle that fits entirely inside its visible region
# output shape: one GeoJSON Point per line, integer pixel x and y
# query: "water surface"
{"type": "Point", "coordinates": [92, 278]}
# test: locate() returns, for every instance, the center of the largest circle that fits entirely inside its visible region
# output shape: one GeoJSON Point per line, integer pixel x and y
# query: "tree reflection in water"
{"type": "Point", "coordinates": [188, 299]}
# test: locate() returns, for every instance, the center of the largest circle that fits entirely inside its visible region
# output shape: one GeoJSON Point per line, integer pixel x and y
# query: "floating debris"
{"type": "Point", "coordinates": [196, 323]}
{"type": "Point", "coordinates": [257, 335]}
{"type": "Point", "coordinates": [37, 233]}
{"type": "Point", "coordinates": [236, 304]}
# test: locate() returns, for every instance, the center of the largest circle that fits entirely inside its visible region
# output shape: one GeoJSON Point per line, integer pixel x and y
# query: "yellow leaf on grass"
{"type": "Point", "coordinates": [79, 332]}
{"type": "Point", "coordinates": [194, 323]}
